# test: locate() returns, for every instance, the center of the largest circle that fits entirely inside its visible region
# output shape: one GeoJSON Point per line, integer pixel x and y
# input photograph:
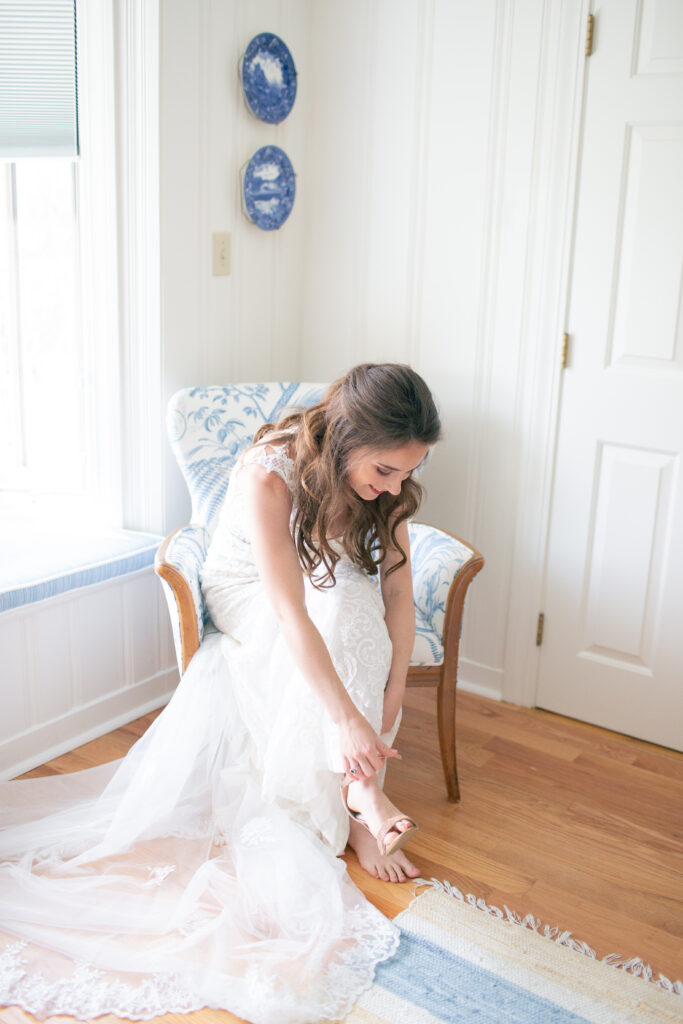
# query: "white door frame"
{"type": "Point", "coordinates": [559, 116]}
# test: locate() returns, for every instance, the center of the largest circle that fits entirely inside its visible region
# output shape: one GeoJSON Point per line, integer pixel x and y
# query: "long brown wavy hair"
{"type": "Point", "coordinates": [375, 407]}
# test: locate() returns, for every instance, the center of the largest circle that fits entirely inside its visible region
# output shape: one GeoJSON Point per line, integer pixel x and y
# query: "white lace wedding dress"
{"type": "Point", "coordinates": [202, 869]}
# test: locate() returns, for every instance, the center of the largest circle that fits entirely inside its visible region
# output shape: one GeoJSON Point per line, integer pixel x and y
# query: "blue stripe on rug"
{"type": "Point", "coordinates": [455, 990]}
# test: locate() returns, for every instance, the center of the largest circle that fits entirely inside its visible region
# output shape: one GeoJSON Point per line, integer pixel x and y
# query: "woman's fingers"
{"type": "Point", "coordinates": [386, 751]}
{"type": "Point", "coordinates": [368, 756]}
{"type": "Point", "coordinates": [366, 766]}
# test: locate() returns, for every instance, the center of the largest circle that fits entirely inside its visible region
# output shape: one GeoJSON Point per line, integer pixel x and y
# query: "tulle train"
{"type": "Point", "coordinates": [167, 881]}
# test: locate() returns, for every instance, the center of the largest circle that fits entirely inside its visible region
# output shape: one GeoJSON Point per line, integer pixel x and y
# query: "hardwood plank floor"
{"type": "Point", "coordinates": [578, 826]}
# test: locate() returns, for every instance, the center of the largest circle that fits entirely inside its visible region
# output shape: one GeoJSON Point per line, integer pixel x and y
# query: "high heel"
{"type": "Point", "coordinates": [387, 825]}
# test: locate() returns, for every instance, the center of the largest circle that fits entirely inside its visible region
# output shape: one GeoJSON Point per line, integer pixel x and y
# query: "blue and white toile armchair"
{"type": "Point", "coordinates": [209, 427]}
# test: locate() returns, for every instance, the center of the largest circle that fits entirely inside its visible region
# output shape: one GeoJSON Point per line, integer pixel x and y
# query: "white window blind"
{"type": "Point", "coordinates": [38, 105]}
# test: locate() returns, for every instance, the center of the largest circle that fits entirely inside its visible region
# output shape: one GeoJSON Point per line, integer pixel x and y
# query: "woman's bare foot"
{"type": "Point", "coordinates": [394, 867]}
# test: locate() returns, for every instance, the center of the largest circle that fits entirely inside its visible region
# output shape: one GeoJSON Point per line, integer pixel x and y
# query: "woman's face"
{"type": "Point", "coordinates": [372, 471]}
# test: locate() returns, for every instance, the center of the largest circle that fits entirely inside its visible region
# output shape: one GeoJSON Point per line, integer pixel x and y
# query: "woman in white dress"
{"type": "Point", "coordinates": [202, 869]}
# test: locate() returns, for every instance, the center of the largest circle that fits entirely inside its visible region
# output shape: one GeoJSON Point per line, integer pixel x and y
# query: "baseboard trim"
{"type": "Point", "coordinates": [483, 680]}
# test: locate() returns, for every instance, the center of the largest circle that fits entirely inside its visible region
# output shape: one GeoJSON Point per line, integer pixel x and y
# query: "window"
{"type": "Point", "coordinates": [59, 340]}
{"type": "Point", "coordinates": [80, 281]}
{"type": "Point", "coordinates": [41, 343]}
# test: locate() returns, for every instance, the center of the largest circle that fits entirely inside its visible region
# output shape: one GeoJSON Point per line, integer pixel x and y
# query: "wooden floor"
{"type": "Point", "coordinates": [576, 825]}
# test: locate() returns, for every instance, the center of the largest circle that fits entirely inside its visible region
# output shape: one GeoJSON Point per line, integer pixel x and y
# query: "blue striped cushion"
{"type": "Point", "coordinates": [38, 562]}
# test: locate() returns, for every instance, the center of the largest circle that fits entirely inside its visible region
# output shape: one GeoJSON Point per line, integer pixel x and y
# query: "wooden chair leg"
{"type": "Point", "coordinates": [446, 684]}
{"type": "Point", "coordinates": [445, 711]}
{"type": "Point", "coordinates": [446, 675]}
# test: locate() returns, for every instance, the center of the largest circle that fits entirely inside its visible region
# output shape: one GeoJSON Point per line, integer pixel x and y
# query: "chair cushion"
{"type": "Point", "coordinates": [41, 561]}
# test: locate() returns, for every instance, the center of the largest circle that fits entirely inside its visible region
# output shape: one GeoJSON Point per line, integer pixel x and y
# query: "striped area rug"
{"type": "Point", "coordinates": [462, 961]}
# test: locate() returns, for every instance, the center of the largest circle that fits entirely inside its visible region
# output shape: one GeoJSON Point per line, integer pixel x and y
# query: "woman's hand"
{"type": "Point", "coordinates": [361, 748]}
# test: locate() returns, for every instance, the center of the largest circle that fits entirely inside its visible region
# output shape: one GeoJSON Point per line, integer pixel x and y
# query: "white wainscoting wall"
{"type": "Point", "coordinates": [81, 663]}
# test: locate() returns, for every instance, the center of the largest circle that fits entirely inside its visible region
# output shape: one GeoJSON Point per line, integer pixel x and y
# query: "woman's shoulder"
{"type": "Point", "coordinates": [274, 455]}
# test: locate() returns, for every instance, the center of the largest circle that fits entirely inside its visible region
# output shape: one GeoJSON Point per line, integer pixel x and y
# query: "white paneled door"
{"type": "Point", "coordinates": [612, 650]}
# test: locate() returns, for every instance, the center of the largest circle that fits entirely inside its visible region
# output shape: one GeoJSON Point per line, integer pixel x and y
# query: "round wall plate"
{"type": "Point", "coordinates": [268, 78]}
{"type": "Point", "coordinates": [268, 188]}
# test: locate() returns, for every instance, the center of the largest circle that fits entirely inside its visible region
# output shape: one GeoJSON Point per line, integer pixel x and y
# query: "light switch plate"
{"type": "Point", "coordinates": [221, 253]}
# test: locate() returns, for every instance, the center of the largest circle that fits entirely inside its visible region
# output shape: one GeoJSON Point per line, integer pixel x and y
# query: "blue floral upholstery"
{"type": "Point", "coordinates": [436, 560]}
{"type": "Point", "coordinates": [209, 427]}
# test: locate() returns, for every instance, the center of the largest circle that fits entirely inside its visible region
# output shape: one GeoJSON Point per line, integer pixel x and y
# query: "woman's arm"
{"type": "Point", "coordinates": [397, 591]}
{"type": "Point", "coordinates": [268, 504]}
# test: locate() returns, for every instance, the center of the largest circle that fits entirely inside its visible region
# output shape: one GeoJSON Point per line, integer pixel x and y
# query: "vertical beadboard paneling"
{"type": "Point", "coordinates": [51, 657]}
{"type": "Point", "coordinates": [398, 70]}
{"type": "Point", "coordinates": [337, 193]}
{"type": "Point", "coordinates": [15, 680]}
{"type": "Point", "coordinates": [485, 636]}
{"type": "Point", "coordinates": [77, 666]}
{"type": "Point", "coordinates": [421, 199]}
{"type": "Point", "coordinates": [101, 642]}
{"type": "Point", "coordinates": [141, 626]}
{"type": "Point", "coordinates": [453, 252]}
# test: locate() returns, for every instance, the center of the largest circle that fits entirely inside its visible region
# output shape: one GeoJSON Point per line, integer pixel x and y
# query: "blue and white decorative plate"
{"type": "Point", "coordinates": [268, 188]}
{"type": "Point", "coordinates": [269, 78]}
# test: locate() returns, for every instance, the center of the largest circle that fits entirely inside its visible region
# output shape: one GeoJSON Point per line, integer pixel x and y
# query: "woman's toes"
{"type": "Point", "coordinates": [405, 866]}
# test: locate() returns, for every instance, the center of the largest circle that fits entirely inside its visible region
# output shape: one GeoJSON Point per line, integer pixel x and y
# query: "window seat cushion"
{"type": "Point", "coordinates": [39, 561]}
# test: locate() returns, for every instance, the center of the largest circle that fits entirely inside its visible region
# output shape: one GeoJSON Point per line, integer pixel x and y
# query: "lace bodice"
{"type": "Point", "coordinates": [230, 557]}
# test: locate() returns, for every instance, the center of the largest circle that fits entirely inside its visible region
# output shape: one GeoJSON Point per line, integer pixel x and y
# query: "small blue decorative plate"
{"type": "Point", "coordinates": [269, 78]}
{"type": "Point", "coordinates": [268, 188]}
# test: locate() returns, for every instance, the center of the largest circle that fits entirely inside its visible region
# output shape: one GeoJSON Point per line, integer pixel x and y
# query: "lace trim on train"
{"type": "Point", "coordinates": [87, 993]}
{"type": "Point", "coordinates": [90, 992]}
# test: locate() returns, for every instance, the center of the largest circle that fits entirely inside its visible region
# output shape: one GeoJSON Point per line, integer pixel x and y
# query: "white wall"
{"type": "Point", "coordinates": [416, 139]}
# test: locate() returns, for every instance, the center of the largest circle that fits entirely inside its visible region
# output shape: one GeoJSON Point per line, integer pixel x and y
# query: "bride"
{"type": "Point", "coordinates": [202, 869]}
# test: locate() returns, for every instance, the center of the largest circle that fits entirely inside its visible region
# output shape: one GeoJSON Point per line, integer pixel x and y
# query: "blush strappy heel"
{"type": "Point", "coordinates": [385, 828]}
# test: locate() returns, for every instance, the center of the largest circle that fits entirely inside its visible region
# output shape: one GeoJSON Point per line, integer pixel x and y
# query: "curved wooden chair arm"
{"type": "Point", "coordinates": [182, 592]}
{"type": "Point", "coordinates": [445, 676]}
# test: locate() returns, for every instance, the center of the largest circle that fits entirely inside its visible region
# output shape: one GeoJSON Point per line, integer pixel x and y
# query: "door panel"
{"type": "Point", "coordinates": [612, 651]}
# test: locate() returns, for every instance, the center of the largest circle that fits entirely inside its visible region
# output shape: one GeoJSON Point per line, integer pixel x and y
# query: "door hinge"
{"type": "Point", "coordinates": [565, 350]}
{"type": "Point", "coordinates": [539, 629]}
{"type": "Point", "coordinates": [589, 35]}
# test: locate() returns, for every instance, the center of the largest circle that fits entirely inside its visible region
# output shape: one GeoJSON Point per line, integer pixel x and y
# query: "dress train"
{"type": "Point", "coordinates": [166, 882]}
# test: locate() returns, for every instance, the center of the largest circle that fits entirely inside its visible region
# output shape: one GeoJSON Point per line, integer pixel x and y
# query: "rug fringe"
{"type": "Point", "coordinates": [632, 965]}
